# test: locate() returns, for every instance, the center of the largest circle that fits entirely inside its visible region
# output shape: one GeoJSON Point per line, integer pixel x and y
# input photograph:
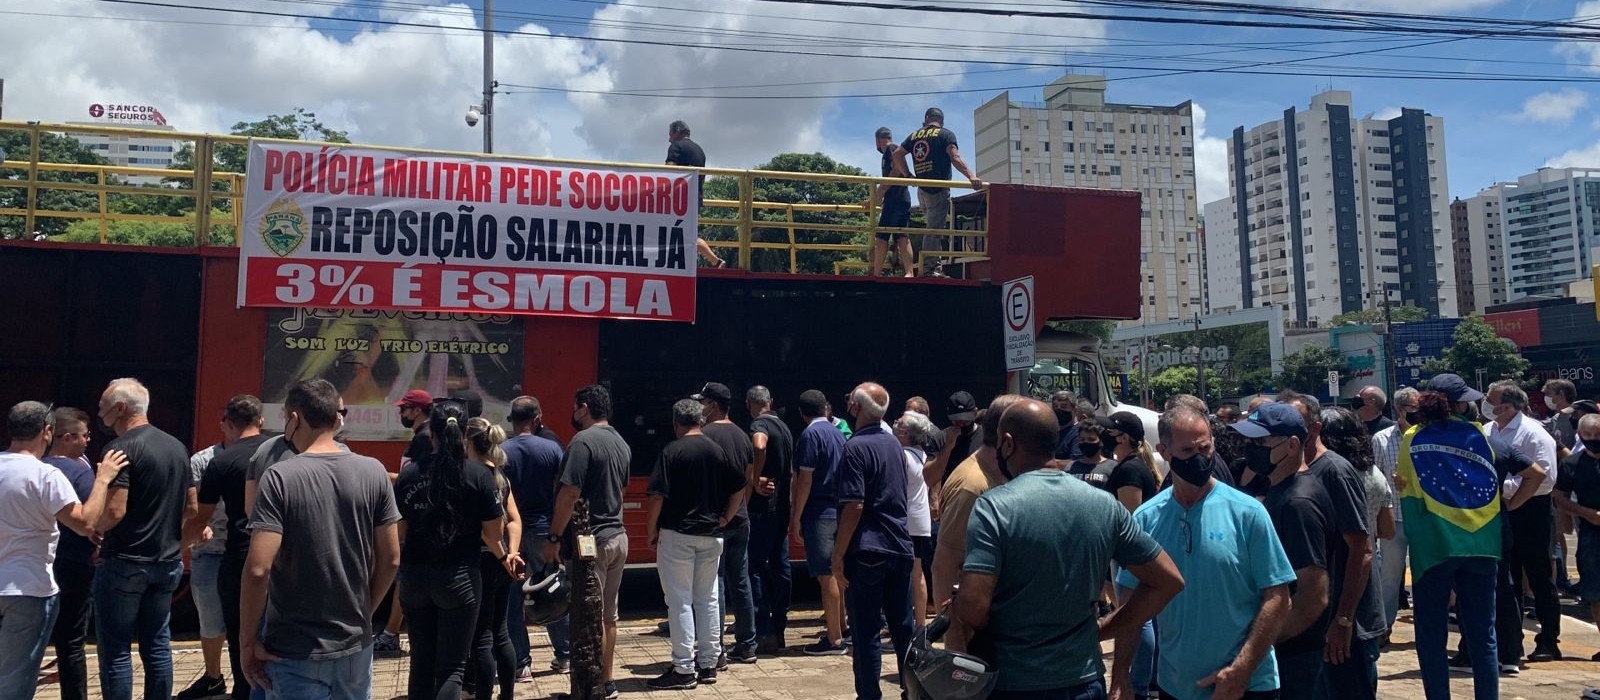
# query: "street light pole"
{"type": "Point", "coordinates": [488, 76]}
{"type": "Point", "coordinates": [1199, 363]}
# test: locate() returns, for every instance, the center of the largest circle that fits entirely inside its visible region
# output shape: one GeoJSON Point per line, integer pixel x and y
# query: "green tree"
{"type": "Point", "coordinates": [1397, 314]}
{"type": "Point", "coordinates": [1307, 370]}
{"type": "Point", "coordinates": [53, 148]}
{"type": "Point", "coordinates": [299, 125]}
{"type": "Point", "coordinates": [794, 192]}
{"type": "Point", "coordinates": [147, 233]}
{"type": "Point", "coordinates": [1180, 379]}
{"type": "Point", "coordinates": [1475, 347]}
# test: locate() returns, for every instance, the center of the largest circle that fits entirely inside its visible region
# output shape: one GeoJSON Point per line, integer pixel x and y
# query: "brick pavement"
{"type": "Point", "coordinates": [641, 654]}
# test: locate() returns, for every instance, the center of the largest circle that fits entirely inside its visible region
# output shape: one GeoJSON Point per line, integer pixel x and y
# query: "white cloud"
{"type": "Point", "coordinates": [1583, 54]}
{"type": "Point", "coordinates": [1434, 7]}
{"type": "Point", "coordinates": [1577, 158]}
{"type": "Point", "coordinates": [1210, 161]}
{"type": "Point", "coordinates": [1387, 113]}
{"type": "Point", "coordinates": [1554, 107]}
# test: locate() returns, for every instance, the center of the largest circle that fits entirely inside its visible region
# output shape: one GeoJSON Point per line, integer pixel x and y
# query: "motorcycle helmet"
{"type": "Point", "coordinates": [937, 674]}
{"type": "Point", "coordinates": [546, 600]}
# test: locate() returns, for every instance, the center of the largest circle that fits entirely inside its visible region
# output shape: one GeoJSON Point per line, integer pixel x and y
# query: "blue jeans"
{"type": "Point", "coordinates": [770, 579]}
{"type": "Point", "coordinates": [1357, 677]}
{"type": "Point", "coordinates": [560, 631]}
{"type": "Point", "coordinates": [1093, 690]}
{"type": "Point", "coordinates": [203, 571]}
{"type": "Point", "coordinates": [345, 678]}
{"type": "Point", "coordinates": [134, 601]}
{"type": "Point", "coordinates": [1142, 675]}
{"type": "Point", "coordinates": [1473, 581]}
{"type": "Point", "coordinates": [25, 625]}
{"type": "Point", "coordinates": [819, 534]}
{"type": "Point", "coordinates": [1300, 673]}
{"type": "Point", "coordinates": [736, 586]}
{"type": "Point", "coordinates": [879, 583]}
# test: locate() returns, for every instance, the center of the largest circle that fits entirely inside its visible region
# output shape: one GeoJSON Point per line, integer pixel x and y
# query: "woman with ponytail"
{"type": "Point", "coordinates": [494, 661]}
{"type": "Point", "coordinates": [450, 507]}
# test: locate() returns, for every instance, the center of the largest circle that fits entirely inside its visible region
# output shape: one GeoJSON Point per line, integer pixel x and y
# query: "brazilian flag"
{"type": "Point", "coordinates": [1449, 493]}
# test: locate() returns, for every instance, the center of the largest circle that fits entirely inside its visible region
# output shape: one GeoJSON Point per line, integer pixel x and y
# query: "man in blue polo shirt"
{"type": "Point", "coordinates": [872, 554]}
{"type": "Point", "coordinates": [814, 518]}
{"type": "Point", "coordinates": [1215, 638]}
{"type": "Point", "coordinates": [532, 465]}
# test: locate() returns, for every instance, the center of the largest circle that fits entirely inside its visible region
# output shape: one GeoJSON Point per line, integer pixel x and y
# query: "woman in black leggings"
{"type": "Point", "coordinates": [450, 507]}
{"type": "Point", "coordinates": [495, 660]}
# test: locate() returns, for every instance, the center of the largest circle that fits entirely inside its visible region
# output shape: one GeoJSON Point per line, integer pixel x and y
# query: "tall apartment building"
{"type": "Point", "coordinates": [1551, 224]}
{"type": "Point", "coordinates": [1224, 291]}
{"type": "Point", "coordinates": [1332, 211]}
{"type": "Point", "coordinates": [1480, 250]}
{"type": "Point", "coordinates": [1077, 139]}
{"type": "Point", "coordinates": [134, 151]}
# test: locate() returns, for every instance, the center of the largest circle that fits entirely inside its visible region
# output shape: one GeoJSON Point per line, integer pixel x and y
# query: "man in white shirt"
{"type": "Point", "coordinates": [1530, 523]}
{"type": "Point", "coordinates": [1392, 552]}
{"type": "Point", "coordinates": [34, 496]}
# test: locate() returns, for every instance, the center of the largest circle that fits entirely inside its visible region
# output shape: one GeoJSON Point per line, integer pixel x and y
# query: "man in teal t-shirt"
{"type": "Point", "coordinates": [1215, 637]}
{"type": "Point", "coordinates": [1037, 551]}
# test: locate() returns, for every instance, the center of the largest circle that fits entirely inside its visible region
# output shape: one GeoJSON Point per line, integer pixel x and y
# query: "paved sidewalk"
{"type": "Point", "coordinates": [641, 654]}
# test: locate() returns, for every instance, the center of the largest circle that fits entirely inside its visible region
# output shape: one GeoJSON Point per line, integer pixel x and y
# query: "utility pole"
{"type": "Point", "coordinates": [1199, 363]}
{"type": "Point", "coordinates": [488, 76]}
{"type": "Point", "coordinates": [1388, 343]}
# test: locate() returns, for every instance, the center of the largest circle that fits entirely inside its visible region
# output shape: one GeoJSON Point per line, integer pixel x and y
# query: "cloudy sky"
{"type": "Point", "coordinates": [602, 78]}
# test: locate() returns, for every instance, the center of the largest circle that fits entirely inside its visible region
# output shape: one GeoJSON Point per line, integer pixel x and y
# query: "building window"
{"type": "Point", "coordinates": [1116, 170]}
{"type": "Point", "coordinates": [1070, 146]}
{"type": "Point", "coordinates": [1046, 145]}
{"type": "Point", "coordinates": [1067, 124]}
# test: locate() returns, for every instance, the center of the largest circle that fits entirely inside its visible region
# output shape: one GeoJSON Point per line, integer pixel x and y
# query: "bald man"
{"type": "Point", "coordinates": [1037, 551]}
{"type": "Point", "coordinates": [872, 555]}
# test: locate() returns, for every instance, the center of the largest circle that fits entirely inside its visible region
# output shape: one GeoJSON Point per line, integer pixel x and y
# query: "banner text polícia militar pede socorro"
{"type": "Point", "coordinates": [365, 228]}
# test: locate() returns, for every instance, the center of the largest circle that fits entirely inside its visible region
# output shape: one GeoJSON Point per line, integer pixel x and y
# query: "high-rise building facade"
{"type": "Point", "coordinates": [1551, 221]}
{"type": "Point", "coordinates": [1333, 211]}
{"type": "Point", "coordinates": [1077, 139]}
{"type": "Point", "coordinates": [1480, 250]}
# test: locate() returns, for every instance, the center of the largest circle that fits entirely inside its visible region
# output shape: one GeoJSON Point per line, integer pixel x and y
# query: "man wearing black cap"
{"type": "Point", "coordinates": [1302, 515]}
{"type": "Point", "coordinates": [962, 412]}
{"type": "Point", "coordinates": [716, 398]}
{"type": "Point", "coordinates": [894, 206]}
{"type": "Point", "coordinates": [933, 151]}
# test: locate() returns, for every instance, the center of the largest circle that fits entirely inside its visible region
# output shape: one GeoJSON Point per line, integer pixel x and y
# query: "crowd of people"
{"type": "Point", "coordinates": [1269, 560]}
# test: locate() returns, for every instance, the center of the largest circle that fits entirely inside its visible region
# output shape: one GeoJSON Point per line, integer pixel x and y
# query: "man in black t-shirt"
{"type": "Point", "coordinates": [715, 398]}
{"type": "Point", "coordinates": [694, 490]}
{"type": "Point", "coordinates": [770, 581]}
{"type": "Point", "coordinates": [414, 408]}
{"type": "Point", "coordinates": [682, 150]}
{"type": "Point", "coordinates": [141, 557]}
{"type": "Point", "coordinates": [1577, 493]}
{"type": "Point", "coordinates": [933, 152]}
{"type": "Point", "coordinates": [224, 482]}
{"type": "Point", "coordinates": [894, 210]}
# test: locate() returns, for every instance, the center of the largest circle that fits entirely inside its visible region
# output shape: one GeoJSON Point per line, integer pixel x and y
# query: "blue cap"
{"type": "Point", "coordinates": [1453, 387]}
{"type": "Point", "coordinates": [1273, 418]}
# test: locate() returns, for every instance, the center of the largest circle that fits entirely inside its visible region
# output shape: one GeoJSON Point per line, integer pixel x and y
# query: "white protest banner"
{"type": "Point", "coordinates": [364, 228]}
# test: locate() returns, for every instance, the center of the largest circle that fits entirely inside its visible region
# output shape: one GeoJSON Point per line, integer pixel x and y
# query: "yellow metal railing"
{"type": "Point", "coordinates": [745, 217]}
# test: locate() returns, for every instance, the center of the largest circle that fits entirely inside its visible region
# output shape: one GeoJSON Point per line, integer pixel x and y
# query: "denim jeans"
{"type": "Point", "coordinates": [560, 632]}
{"type": "Point", "coordinates": [230, 579]}
{"type": "Point", "coordinates": [736, 586]}
{"type": "Point", "coordinates": [72, 627]}
{"type": "Point", "coordinates": [494, 659]}
{"type": "Point", "coordinates": [1391, 569]}
{"type": "Point", "coordinates": [1300, 673]}
{"type": "Point", "coordinates": [1093, 690]}
{"type": "Point", "coordinates": [1357, 677]}
{"type": "Point", "coordinates": [1473, 581]}
{"type": "Point", "coordinates": [134, 601]}
{"type": "Point", "coordinates": [441, 604]}
{"type": "Point", "coordinates": [1142, 674]}
{"type": "Point", "coordinates": [879, 584]}
{"type": "Point", "coordinates": [203, 578]}
{"type": "Point", "coordinates": [25, 625]}
{"type": "Point", "coordinates": [770, 580]}
{"type": "Point", "coordinates": [345, 678]}
{"type": "Point", "coordinates": [687, 566]}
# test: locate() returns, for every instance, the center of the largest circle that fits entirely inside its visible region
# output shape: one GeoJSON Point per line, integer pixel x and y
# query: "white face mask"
{"type": "Point", "coordinates": [1486, 409]}
{"type": "Point", "coordinates": [1550, 404]}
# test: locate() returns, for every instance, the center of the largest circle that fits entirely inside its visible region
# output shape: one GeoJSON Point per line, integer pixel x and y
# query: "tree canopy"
{"type": "Point", "coordinates": [1397, 314]}
{"type": "Point", "coordinates": [794, 192]}
{"type": "Point", "coordinates": [1476, 347]}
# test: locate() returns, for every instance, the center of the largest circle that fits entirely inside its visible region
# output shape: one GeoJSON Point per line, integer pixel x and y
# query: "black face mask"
{"type": "Point", "coordinates": [1412, 418]}
{"type": "Point", "coordinates": [1089, 450]}
{"type": "Point", "coordinates": [1000, 462]}
{"type": "Point", "coordinates": [407, 421]}
{"type": "Point", "coordinates": [1063, 417]}
{"type": "Point", "coordinates": [1258, 458]}
{"type": "Point", "coordinates": [1592, 446]}
{"type": "Point", "coordinates": [1195, 469]}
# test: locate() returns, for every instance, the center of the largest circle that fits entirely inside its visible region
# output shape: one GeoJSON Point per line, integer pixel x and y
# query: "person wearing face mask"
{"type": "Point", "coordinates": [956, 444]}
{"type": "Point", "coordinates": [1133, 480]}
{"type": "Point", "coordinates": [1064, 405]}
{"type": "Point", "coordinates": [1302, 516]}
{"type": "Point", "coordinates": [1531, 523]}
{"type": "Point", "coordinates": [1223, 543]}
{"type": "Point", "coordinates": [1391, 568]}
{"type": "Point", "coordinates": [1038, 549]}
{"type": "Point", "coordinates": [1092, 464]}
{"type": "Point", "coordinates": [414, 408]}
{"type": "Point", "coordinates": [1577, 493]}
{"type": "Point", "coordinates": [1559, 394]}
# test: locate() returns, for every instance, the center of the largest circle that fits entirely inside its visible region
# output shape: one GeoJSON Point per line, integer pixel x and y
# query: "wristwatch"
{"type": "Point", "coordinates": [1345, 621]}
{"type": "Point", "coordinates": [552, 538]}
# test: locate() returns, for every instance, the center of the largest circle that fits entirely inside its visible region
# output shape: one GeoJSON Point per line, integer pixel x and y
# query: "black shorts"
{"type": "Point", "coordinates": [896, 213]}
{"type": "Point", "coordinates": [922, 547]}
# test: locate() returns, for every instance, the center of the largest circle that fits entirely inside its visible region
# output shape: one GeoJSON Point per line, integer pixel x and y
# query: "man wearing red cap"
{"type": "Point", "coordinates": [414, 408]}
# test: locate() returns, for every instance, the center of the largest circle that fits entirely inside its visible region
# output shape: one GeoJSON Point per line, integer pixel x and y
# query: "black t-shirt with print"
{"type": "Point", "coordinates": [930, 154]}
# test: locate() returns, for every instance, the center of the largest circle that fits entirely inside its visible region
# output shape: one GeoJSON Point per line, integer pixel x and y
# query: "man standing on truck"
{"type": "Point", "coordinates": [894, 211]}
{"type": "Point", "coordinates": [933, 151]}
{"type": "Point", "coordinates": [682, 150]}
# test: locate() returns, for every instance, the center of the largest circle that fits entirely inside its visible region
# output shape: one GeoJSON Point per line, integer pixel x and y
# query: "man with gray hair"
{"type": "Point", "coordinates": [770, 582]}
{"type": "Point", "coordinates": [913, 430]}
{"type": "Point", "coordinates": [1065, 406]}
{"type": "Point", "coordinates": [35, 497]}
{"type": "Point", "coordinates": [1373, 401]}
{"type": "Point", "coordinates": [141, 560]}
{"type": "Point", "coordinates": [694, 491]}
{"type": "Point", "coordinates": [872, 557]}
{"type": "Point", "coordinates": [1531, 524]}
{"type": "Point", "coordinates": [1391, 564]}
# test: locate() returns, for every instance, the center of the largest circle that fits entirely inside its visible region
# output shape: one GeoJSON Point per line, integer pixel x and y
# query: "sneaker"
{"type": "Point", "coordinates": [204, 688]}
{"type": "Point", "coordinates": [824, 648]}
{"type": "Point", "coordinates": [525, 673]}
{"type": "Point", "coordinates": [1591, 694]}
{"type": "Point", "coordinates": [706, 676]}
{"type": "Point", "coordinates": [742, 655]}
{"type": "Point", "coordinates": [1596, 656]}
{"type": "Point", "coordinates": [611, 691]}
{"type": "Point", "coordinates": [561, 665]}
{"type": "Point", "coordinates": [769, 645]}
{"type": "Point", "coordinates": [1510, 670]}
{"type": "Point", "coordinates": [1545, 653]}
{"type": "Point", "coordinates": [671, 680]}
{"type": "Point", "coordinates": [722, 661]}
{"type": "Point", "coordinates": [1461, 662]}
{"type": "Point", "coordinates": [664, 627]}
{"type": "Point", "coordinates": [387, 646]}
